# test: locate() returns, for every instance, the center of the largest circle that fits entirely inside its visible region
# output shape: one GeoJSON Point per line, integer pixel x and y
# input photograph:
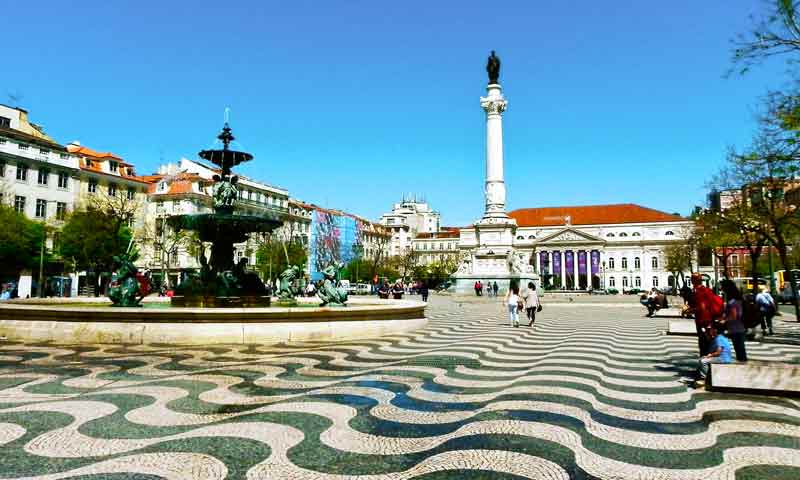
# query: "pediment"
{"type": "Point", "coordinates": [570, 236]}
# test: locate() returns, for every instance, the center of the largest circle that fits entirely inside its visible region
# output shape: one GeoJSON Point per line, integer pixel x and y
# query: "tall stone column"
{"type": "Point", "coordinates": [494, 104]}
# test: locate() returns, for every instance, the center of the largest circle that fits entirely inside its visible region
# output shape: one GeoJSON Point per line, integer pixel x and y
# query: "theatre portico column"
{"type": "Point", "coordinates": [563, 271]}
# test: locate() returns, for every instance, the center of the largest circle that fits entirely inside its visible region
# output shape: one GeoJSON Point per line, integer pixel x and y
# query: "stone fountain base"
{"type": "Point", "coordinates": [244, 301]}
{"type": "Point", "coordinates": [54, 321]}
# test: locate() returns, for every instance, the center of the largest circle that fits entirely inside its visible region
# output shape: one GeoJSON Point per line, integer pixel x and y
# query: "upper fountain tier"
{"type": "Point", "coordinates": [225, 158]}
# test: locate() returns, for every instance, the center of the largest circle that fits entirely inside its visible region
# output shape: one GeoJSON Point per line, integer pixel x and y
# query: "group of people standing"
{"type": "Point", "coordinates": [722, 324]}
{"type": "Point", "coordinates": [491, 288]}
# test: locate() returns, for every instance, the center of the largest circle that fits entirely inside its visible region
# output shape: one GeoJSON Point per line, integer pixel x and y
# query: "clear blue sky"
{"type": "Point", "coordinates": [350, 104]}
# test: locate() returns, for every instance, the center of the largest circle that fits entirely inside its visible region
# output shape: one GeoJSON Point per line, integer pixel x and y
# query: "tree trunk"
{"type": "Point", "coordinates": [754, 270]}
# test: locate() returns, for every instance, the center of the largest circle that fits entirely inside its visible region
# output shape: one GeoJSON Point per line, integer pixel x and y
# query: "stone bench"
{"type": "Point", "coordinates": [681, 327]}
{"type": "Point", "coordinates": [756, 377]}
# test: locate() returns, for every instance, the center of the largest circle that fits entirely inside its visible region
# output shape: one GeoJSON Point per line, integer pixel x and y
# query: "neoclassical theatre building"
{"type": "Point", "coordinates": [599, 246]}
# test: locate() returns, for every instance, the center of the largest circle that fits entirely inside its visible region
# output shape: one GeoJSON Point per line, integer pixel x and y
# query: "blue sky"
{"type": "Point", "coordinates": [351, 104]}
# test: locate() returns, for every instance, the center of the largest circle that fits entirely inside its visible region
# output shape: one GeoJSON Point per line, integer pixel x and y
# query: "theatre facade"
{"type": "Point", "coordinates": [600, 246]}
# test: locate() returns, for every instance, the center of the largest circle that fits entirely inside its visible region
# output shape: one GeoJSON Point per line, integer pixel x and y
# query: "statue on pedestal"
{"type": "Point", "coordinates": [127, 290]}
{"type": "Point", "coordinates": [493, 68]}
{"type": "Point", "coordinates": [329, 293]}
{"type": "Point", "coordinates": [288, 287]}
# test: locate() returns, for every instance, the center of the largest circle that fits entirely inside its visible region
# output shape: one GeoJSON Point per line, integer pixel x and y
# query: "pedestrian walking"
{"type": "Point", "coordinates": [733, 318]}
{"type": "Point", "coordinates": [531, 301]}
{"type": "Point", "coordinates": [495, 288]}
{"type": "Point", "coordinates": [478, 288]}
{"type": "Point", "coordinates": [767, 309]}
{"type": "Point", "coordinates": [423, 290]}
{"type": "Point", "coordinates": [513, 303]}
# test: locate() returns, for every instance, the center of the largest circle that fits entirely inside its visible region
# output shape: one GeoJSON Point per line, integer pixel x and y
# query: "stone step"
{"type": "Point", "coordinates": [756, 377]}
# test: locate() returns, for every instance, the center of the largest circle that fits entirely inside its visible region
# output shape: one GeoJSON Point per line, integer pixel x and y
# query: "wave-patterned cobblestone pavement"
{"type": "Point", "coordinates": [590, 392]}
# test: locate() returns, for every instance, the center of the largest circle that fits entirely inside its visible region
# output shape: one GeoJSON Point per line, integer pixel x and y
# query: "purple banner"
{"type": "Point", "coordinates": [544, 263]}
{"type": "Point", "coordinates": [557, 264]}
{"type": "Point", "coordinates": [582, 262]}
{"type": "Point", "coordinates": [569, 263]}
{"type": "Point", "coordinates": [595, 262]}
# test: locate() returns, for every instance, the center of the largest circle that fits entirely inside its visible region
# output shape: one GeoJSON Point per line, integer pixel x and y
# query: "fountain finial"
{"type": "Point", "coordinates": [226, 136]}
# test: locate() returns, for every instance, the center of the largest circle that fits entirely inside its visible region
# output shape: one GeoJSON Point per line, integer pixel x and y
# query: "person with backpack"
{"type": "Point", "coordinates": [767, 308]}
{"type": "Point", "coordinates": [734, 318]}
{"type": "Point", "coordinates": [706, 307]}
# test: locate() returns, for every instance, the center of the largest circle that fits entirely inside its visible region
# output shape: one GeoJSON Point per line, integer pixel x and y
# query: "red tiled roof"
{"type": "Point", "coordinates": [591, 215]}
{"type": "Point", "coordinates": [444, 232]}
{"type": "Point", "coordinates": [80, 150]}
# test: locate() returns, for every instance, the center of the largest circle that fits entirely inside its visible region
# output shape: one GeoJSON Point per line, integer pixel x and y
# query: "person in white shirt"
{"type": "Point", "coordinates": [766, 307]}
{"type": "Point", "coordinates": [512, 303]}
{"type": "Point", "coordinates": [531, 299]}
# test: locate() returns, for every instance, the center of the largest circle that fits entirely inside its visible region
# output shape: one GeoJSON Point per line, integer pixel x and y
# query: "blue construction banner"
{"type": "Point", "coordinates": [334, 239]}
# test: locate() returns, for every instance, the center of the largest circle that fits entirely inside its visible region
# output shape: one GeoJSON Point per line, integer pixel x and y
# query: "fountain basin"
{"type": "Point", "coordinates": [66, 321]}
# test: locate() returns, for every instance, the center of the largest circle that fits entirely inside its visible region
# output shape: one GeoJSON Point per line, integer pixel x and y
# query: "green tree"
{"type": "Point", "coordinates": [92, 238]}
{"type": "Point", "coordinates": [274, 255]}
{"type": "Point", "coordinates": [775, 34]}
{"type": "Point", "coordinates": [20, 242]}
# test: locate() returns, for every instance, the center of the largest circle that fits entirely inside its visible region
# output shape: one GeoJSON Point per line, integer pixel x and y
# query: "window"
{"type": "Point", "coordinates": [623, 234]}
{"type": "Point", "coordinates": [2, 168]}
{"type": "Point", "coordinates": [531, 237]}
{"type": "Point", "coordinates": [22, 172]}
{"type": "Point", "coordinates": [61, 210]}
{"type": "Point", "coordinates": [612, 282]}
{"type": "Point", "coordinates": [162, 186]}
{"type": "Point", "coordinates": [22, 146]}
{"type": "Point", "coordinates": [655, 281]}
{"type": "Point", "coordinates": [5, 122]}
{"type": "Point", "coordinates": [131, 194]}
{"type": "Point", "coordinates": [609, 235]}
{"type": "Point", "coordinates": [520, 237]}
{"type": "Point", "coordinates": [56, 241]}
{"type": "Point", "coordinates": [41, 208]}
{"type": "Point", "coordinates": [624, 282]}
{"type": "Point", "coordinates": [611, 263]}
{"type": "Point", "coordinates": [44, 174]}
{"type": "Point", "coordinates": [654, 262]}
{"type": "Point", "coordinates": [63, 156]}
{"type": "Point", "coordinates": [636, 234]}
{"type": "Point", "coordinates": [112, 166]}
{"type": "Point", "coordinates": [44, 151]}
{"type": "Point", "coordinates": [624, 263]}
{"type": "Point", "coordinates": [19, 204]}
{"type": "Point", "coordinates": [63, 180]}
{"type": "Point", "coordinates": [112, 189]}
{"type": "Point", "coordinates": [637, 263]}
{"type": "Point", "coordinates": [638, 282]}
{"type": "Point", "coordinates": [669, 233]}
{"type": "Point", "coordinates": [91, 187]}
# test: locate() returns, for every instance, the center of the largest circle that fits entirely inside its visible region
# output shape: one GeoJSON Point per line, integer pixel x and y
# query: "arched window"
{"type": "Point", "coordinates": [638, 281]}
{"type": "Point", "coordinates": [655, 281]}
{"type": "Point", "coordinates": [655, 262]}
{"type": "Point", "coordinates": [623, 234]}
{"type": "Point", "coordinates": [637, 264]}
{"type": "Point", "coordinates": [612, 282]}
{"type": "Point", "coordinates": [669, 233]}
{"type": "Point", "coordinates": [609, 234]}
{"type": "Point", "coordinates": [636, 234]}
{"type": "Point", "coordinates": [624, 282]}
{"type": "Point", "coordinates": [520, 237]}
{"type": "Point", "coordinates": [611, 263]}
{"type": "Point", "coordinates": [531, 237]}
{"type": "Point", "coordinates": [624, 263]}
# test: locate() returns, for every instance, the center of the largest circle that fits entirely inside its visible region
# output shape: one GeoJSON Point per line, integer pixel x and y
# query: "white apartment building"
{"type": "Point", "coordinates": [407, 219]}
{"type": "Point", "coordinates": [437, 247]}
{"type": "Point", "coordinates": [38, 177]}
